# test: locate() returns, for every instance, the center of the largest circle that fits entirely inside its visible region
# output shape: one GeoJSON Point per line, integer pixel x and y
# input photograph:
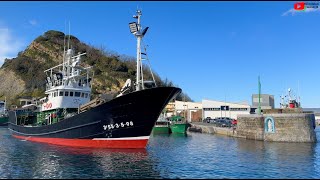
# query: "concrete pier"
{"type": "Point", "coordinates": [211, 129]}
{"type": "Point", "coordinates": [281, 127]}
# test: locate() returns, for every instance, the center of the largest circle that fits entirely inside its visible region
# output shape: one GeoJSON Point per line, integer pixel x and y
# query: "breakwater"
{"type": "Point", "coordinates": [281, 127]}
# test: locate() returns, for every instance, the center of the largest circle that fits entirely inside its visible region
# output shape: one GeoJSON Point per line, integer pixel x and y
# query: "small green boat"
{"type": "Point", "coordinates": [178, 125]}
{"type": "Point", "coordinates": [161, 126]}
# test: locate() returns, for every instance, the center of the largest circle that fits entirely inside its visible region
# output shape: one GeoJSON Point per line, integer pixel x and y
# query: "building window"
{"type": "Point", "coordinates": [238, 109]}
{"type": "Point", "coordinates": [211, 109]}
{"type": "Point", "coordinates": [225, 108]}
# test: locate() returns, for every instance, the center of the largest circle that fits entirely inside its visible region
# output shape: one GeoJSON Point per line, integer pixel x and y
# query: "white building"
{"type": "Point", "coordinates": [214, 109]}
{"type": "Point", "coordinates": [187, 108]}
{"type": "Point", "coordinates": [316, 112]}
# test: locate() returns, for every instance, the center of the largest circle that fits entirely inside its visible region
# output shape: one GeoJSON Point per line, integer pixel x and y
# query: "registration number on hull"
{"type": "Point", "coordinates": [117, 125]}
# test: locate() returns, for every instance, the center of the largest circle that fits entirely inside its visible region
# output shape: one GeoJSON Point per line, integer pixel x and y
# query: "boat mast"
{"type": "Point", "coordinates": [135, 28]}
{"type": "Point", "coordinates": [5, 103]}
{"type": "Point", "coordinates": [139, 37]}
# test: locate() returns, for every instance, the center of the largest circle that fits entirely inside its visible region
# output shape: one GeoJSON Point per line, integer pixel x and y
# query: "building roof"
{"type": "Point", "coordinates": [316, 111]}
{"type": "Point", "coordinates": [239, 103]}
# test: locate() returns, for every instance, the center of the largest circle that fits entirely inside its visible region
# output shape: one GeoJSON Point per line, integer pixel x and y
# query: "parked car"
{"type": "Point", "coordinates": [219, 121]}
{"type": "Point", "coordinates": [234, 122]}
{"type": "Point", "coordinates": [223, 123]}
{"type": "Point", "coordinates": [209, 120]}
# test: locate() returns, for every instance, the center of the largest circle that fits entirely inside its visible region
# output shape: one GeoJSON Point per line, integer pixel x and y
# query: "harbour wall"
{"type": "Point", "coordinates": [291, 127]}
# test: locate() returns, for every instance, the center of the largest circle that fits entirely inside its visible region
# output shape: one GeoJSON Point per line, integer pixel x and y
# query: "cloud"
{"type": "Point", "coordinates": [33, 22]}
{"type": "Point", "coordinates": [9, 46]}
{"type": "Point", "coordinates": [307, 10]}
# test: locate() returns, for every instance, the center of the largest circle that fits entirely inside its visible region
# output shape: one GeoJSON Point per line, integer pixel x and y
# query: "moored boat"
{"type": "Point", "coordinates": [67, 116]}
{"type": "Point", "coordinates": [178, 125]}
{"type": "Point", "coordinates": [162, 126]}
{"type": "Point", "coordinates": [3, 114]}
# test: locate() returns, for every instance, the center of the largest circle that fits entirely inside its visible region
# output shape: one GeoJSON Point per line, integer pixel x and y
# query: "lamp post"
{"type": "Point", "coordinates": [259, 86]}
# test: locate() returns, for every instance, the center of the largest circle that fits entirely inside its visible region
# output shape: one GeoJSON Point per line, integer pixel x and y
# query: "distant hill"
{"type": "Point", "coordinates": [24, 76]}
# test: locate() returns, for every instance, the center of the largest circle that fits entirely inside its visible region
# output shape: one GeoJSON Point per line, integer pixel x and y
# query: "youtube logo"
{"type": "Point", "coordinates": [299, 6]}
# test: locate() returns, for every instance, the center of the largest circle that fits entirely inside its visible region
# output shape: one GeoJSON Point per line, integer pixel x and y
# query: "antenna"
{"type": "Point", "coordinates": [64, 45]}
{"type": "Point", "coordinates": [289, 90]}
{"type": "Point", "coordinates": [145, 50]}
{"type": "Point", "coordinates": [69, 35]}
{"type": "Point", "coordinates": [5, 103]}
{"type": "Point", "coordinates": [299, 92]}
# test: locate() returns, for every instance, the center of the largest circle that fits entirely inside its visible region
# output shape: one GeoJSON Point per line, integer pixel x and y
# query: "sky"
{"type": "Point", "coordinates": [210, 49]}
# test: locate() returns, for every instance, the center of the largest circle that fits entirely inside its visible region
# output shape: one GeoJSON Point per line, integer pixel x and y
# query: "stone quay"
{"type": "Point", "coordinates": [274, 125]}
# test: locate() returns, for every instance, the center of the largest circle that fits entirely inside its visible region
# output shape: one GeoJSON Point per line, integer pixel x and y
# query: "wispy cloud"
{"type": "Point", "coordinates": [307, 10]}
{"type": "Point", "coordinates": [33, 22]}
{"type": "Point", "coordinates": [9, 45]}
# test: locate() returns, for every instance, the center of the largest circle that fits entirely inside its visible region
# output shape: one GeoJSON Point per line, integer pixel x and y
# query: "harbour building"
{"type": "Point", "coordinates": [215, 109]}
{"type": "Point", "coordinates": [266, 102]}
{"type": "Point", "coordinates": [190, 110]}
{"type": "Point", "coordinates": [316, 112]}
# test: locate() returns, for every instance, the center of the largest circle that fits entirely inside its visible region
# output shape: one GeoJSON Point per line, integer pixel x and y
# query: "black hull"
{"type": "Point", "coordinates": [128, 116]}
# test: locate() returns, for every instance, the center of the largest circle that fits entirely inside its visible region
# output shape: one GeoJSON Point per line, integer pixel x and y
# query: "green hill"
{"type": "Point", "coordinates": [24, 76]}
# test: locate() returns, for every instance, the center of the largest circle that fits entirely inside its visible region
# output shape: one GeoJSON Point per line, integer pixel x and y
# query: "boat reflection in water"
{"type": "Point", "coordinates": [71, 162]}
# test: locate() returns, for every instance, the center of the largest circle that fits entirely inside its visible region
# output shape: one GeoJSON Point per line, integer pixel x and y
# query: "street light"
{"type": "Point", "coordinates": [133, 27]}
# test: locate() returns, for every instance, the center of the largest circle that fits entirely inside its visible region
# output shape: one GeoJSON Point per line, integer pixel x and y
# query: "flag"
{"type": "Point", "coordinates": [299, 6]}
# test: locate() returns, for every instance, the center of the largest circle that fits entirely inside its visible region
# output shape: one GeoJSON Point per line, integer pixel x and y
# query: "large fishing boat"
{"type": "Point", "coordinates": [66, 116]}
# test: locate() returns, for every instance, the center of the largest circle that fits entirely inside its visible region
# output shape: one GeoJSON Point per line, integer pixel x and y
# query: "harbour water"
{"type": "Point", "coordinates": [166, 156]}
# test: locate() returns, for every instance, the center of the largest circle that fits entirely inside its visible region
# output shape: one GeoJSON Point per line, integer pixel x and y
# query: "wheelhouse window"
{"type": "Point", "coordinates": [55, 94]}
{"type": "Point", "coordinates": [82, 94]}
{"type": "Point", "coordinates": [71, 93]}
{"type": "Point", "coordinates": [60, 93]}
{"type": "Point", "coordinates": [66, 93]}
{"type": "Point", "coordinates": [86, 95]}
{"type": "Point", "coordinates": [77, 94]}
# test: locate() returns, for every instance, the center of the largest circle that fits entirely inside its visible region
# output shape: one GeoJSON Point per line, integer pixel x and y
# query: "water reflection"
{"type": "Point", "coordinates": [166, 156]}
{"type": "Point", "coordinates": [278, 159]}
{"type": "Point", "coordinates": [24, 159]}
{"type": "Point", "coordinates": [97, 163]}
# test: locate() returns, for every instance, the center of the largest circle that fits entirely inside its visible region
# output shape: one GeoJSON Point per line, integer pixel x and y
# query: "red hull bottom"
{"type": "Point", "coordinates": [136, 143]}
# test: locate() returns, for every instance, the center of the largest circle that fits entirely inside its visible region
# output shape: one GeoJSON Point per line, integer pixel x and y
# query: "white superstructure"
{"type": "Point", "coordinates": [68, 84]}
